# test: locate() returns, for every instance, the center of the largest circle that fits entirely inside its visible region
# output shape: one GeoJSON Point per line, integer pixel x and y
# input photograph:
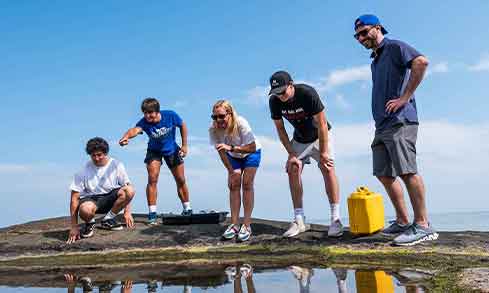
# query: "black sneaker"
{"type": "Point", "coordinates": [86, 284]}
{"type": "Point", "coordinates": [187, 212]}
{"type": "Point", "coordinates": [87, 230]}
{"type": "Point", "coordinates": [111, 224]}
{"type": "Point", "coordinates": [152, 286]}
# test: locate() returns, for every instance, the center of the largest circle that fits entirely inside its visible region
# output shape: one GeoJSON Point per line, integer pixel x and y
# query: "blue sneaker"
{"type": "Point", "coordinates": [152, 218]}
{"type": "Point", "coordinates": [415, 234]}
{"type": "Point", "coordinates": [395, 228]}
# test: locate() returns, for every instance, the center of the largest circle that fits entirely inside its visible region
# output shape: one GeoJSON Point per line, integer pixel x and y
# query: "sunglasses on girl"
{"type": "Point", "coordinates": [218, 116]}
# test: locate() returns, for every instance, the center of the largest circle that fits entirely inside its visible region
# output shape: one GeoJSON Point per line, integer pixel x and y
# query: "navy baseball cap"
{"type": "Point", "coordinates": [369, 19]}
{"type": "Point", "coordinates": [279, 82]}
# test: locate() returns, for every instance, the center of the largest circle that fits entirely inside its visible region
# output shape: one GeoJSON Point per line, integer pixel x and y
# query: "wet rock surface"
{"type": "Point", "coordinates": [49, 236]}
{"type": "Point", "coordinates": [475, 279]}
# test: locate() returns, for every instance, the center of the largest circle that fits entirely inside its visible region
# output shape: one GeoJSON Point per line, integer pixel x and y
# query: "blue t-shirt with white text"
{"type": "Point", "coordinates": [162, 134]}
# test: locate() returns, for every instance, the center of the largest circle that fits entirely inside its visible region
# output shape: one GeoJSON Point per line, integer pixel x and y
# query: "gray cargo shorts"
{"type": "Point", "coordinates": [394, 151]}
{"type": "Point", "coordinates": [306, 151]}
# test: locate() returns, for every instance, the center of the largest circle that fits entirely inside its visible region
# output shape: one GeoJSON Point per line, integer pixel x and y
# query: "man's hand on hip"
{"type": "Point", "coordinates": [395, 104]}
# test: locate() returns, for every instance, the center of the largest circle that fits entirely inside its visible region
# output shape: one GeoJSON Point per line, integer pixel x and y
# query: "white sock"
{"type": "Point", "coordinates": [334, 211]}
{"type": "Point", "coordinates": [152, 208]}
{"type": "Point", "coordinates": [342, 286]}
{"type": "Point", "coordinates": [110, 215]}
{"type": "Point", "coordinates": [299, 213]}
{"type": "Point", "coordinates": [186, 206]}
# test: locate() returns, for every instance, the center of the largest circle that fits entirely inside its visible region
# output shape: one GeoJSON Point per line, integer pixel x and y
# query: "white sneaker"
{"type": "Point", "coordinates": [335, 229]}
{"type": "Point", "coordinates": [231, 273]}
{"type": "Point", "coordinates": [246, 270]}
{"type": "Point", "coordinates": [244, 233]}
{"type": "Point", "coordinates": [231, 232]}
{"type": "Point", "coordinates": [302, 274]}
{"type": "Point", "coordinates": [296, 227]}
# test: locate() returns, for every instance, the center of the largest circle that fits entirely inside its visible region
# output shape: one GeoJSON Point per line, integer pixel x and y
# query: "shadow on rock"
{"type": "Point", "coordinates": [58, 235]}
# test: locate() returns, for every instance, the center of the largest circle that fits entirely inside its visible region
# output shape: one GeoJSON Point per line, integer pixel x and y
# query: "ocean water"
{"type": "Point", "coordinates": [453, 221]}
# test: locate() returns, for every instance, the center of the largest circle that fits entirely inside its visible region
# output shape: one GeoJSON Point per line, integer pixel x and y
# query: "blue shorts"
{"type": "Point", "coordinates": [251, 160]}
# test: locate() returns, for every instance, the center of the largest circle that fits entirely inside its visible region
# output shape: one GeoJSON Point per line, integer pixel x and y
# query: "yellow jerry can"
{"type": "Point", "coordinates": [366, 211]}
{"type": "Point", "coordinates": [373, 281]}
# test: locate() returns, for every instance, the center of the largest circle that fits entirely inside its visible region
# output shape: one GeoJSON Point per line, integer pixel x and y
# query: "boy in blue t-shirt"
{"type": "Point", "coordinates": [160, 126]}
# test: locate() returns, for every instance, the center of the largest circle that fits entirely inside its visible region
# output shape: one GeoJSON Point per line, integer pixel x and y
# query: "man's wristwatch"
{"type": "Point", "coordinates": [232, 148]}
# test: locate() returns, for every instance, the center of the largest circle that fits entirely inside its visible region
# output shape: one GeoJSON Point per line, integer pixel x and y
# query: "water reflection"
{"type": "Point", "coordinates": [237, 278]}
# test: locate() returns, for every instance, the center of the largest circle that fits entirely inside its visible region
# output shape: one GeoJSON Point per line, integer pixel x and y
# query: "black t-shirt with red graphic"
{"type": "Point", "coordinates": [299, 111]}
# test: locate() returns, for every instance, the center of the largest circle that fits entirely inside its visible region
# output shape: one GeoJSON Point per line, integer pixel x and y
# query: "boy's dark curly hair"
{"type": "Point", "coordinates": [97, 144]}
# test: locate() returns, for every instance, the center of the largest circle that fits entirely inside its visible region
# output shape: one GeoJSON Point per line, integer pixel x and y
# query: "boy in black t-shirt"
{"type": "Point", "coordinates": [301, 106]}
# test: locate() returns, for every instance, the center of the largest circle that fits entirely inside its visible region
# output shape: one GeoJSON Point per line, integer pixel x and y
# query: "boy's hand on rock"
{"type": "Point", "coordinates": [74, 235]}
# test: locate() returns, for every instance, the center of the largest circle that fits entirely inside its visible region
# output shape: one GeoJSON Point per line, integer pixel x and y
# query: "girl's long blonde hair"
{"type": "Point", "coordinates": [232, 128]}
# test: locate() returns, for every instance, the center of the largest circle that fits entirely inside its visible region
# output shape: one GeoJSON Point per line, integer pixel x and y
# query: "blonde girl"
{"type": "Point", "coordinates": [240, 152]}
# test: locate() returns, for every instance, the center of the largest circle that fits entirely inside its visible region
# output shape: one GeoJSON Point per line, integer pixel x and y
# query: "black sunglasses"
{"type": "Point", "coordinates": [363, 33]}
{"type": "Point", "coordinates": [219, 116]}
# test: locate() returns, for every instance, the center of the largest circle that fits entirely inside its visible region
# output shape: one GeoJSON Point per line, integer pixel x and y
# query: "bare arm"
{"type": "Point", "coordinates": [127, 209]}
{"type": "Point", "coordinates": [418, 69]}
{"type": "Point", "coordinates": [183, 134]}
{"type": "Point", "coordinates": [132, 132]}
{"type": "Point", "coordinates": [283, 136]}
{"type": "Point", "coordinates": [243, 149]}
{"type": "Point", "coordinates": [74, 230]}
{"type": "Point", "coordinates": [320, 119]}
{"type": "Point", "coordinates": [75, 201]}
{"type": "Point", "coordinates": [225, 160]}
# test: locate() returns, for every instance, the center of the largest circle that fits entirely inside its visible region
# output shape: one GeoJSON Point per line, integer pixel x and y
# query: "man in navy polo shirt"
{"type": "Point", "coordinates": [397, 70]}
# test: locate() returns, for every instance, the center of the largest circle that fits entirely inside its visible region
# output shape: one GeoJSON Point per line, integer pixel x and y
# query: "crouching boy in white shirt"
{"type": "Point", "coordinates": [101, 187]}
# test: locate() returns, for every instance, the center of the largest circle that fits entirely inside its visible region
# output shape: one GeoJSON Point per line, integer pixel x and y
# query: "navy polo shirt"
{"type": "Point", "coordinates": [391, 68]}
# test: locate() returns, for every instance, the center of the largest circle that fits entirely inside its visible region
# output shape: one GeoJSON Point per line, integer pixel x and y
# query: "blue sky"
{"type": "Point", "coordinates": [72, 71]}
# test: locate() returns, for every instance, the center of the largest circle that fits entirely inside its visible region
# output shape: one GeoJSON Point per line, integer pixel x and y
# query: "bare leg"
{"type": "Point", "coordinates": [394, 190]}
{"type": "Point", "coordinates": [248, 193]}
{"type": "Point", "coordinates": [250, 285]}
{"type": "Point", "coordinates": [124, 197]}
{"type": "Point", "coordinates": [153, 168]}
{"type": "Point", "coordinates": [179, 175]}
{"type": "Point", "coordinates": [237, 283]}
{"type": "Point", "coordinates": [330, 184]}
{"type": "Point", "coordinates": [415, 187]}
{"type": "Point", "coordinates": [234, 184]}
{"type": "Point", "coordinates": [295, 184]}
{"type": "Point", "coordinates": [87, 211]}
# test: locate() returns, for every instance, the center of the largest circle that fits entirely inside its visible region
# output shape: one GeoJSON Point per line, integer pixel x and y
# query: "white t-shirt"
{"type": "Point", "coordinates": [245, 136]}
{"type": "Point", "coordinates": [93, 180]}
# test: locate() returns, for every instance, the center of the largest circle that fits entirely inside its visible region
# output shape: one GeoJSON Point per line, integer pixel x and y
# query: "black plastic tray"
{"type": "Point", "coordinates": [197, 218]}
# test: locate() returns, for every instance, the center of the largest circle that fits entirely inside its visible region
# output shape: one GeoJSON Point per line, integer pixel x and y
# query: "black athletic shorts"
{"type": "Point", "coordinates": [104, 202]}
{"type": "Point", "coordinates": [172, 160]}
